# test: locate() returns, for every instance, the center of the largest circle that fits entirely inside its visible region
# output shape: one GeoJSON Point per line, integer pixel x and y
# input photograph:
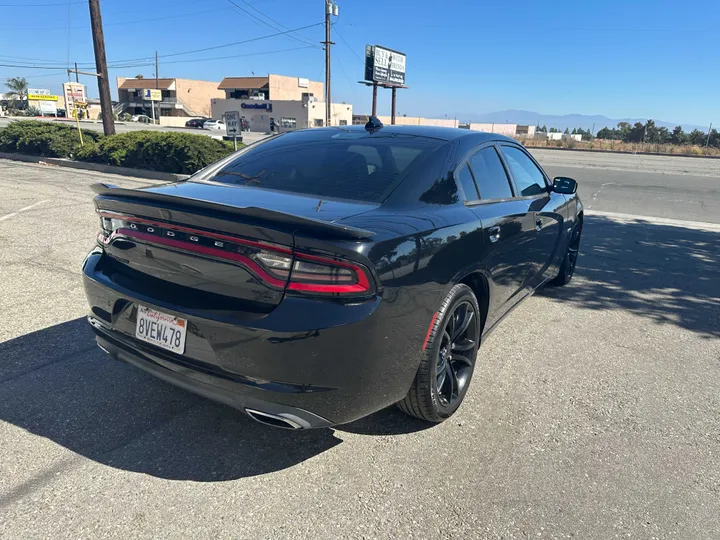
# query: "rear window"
{"type": "Point", "coordinates": [345, 165]}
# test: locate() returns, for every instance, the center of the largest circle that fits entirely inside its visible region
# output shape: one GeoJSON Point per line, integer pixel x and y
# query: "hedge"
{"type": "Point", "coordinates": [180, 153]}
{"type": "Point", "coordinates": [47, 139]}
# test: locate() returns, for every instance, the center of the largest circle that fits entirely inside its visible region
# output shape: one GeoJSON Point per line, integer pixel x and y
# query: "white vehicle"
{"type": "Point", "coordinates": [214, 125]}
{"type": "Point", "coordinates": [142, 118]}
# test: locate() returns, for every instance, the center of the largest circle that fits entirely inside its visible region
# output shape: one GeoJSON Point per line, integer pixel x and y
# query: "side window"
{"type": "Point", "coordinates": [529, 179]}
{"type": "Point", "coordinates": [465, 179]}
{"type": "Point", "coordinates": [490, 175]}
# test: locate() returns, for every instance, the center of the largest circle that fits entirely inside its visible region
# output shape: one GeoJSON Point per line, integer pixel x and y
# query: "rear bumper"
{"type": "Point", "coordinates": [319, 363]}
{"type": "Point", "coordinates": [168, 371]}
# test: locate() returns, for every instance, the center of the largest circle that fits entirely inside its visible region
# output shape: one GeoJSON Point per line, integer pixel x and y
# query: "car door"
{"type": "Point", "coordinates": [545, 212]}
{"type": "Point", "coordinates": [504, 228]}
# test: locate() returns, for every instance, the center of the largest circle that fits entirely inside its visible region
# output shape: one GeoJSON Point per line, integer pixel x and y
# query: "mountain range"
{"type": "Point", "coordinates": [585, 121]}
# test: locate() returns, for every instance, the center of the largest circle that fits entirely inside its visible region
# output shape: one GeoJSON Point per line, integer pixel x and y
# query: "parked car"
{"type": "Point", "coordinates": [61, 113]}
{"type": "Point", "coordinates": [142, 118]}
{"type": "Point", "coordinates": [196, 122]}
{"type": "Point", "coordinates": [214, 125]}
{"type": "Point", "coordinates": [321, 275]}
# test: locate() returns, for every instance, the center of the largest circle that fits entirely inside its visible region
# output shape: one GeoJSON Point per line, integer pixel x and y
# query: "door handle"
{"type": "Point", "coordinates": [494, 233]}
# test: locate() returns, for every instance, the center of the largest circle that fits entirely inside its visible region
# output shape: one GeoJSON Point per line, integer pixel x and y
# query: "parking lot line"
{"type": "Point", "coordinates": [13, 214]}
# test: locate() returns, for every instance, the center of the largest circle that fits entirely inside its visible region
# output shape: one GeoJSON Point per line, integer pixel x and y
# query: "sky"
{"type": "Point", "coordinates": [630, 58]}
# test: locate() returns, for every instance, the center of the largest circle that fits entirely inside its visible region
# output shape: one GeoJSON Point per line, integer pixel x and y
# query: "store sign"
{"type": "Point", "coordinates": [383, 65]}
{"type": "Point", "coordinates": [41, 97]}
{"type": "Point", "coordinates": [74, 94]}
{"type": "Point", "coordinates": [303, 83]}
{"type": "Point", "coordinates": [264, 106]}
{"type": "Point", "coordinates": [152, 94]}
{"type": "Point", "coordinates": [38, 91]}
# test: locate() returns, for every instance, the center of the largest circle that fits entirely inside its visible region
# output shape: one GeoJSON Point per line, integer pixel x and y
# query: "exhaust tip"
{"type": "Point", "coordinates": [283, 420]}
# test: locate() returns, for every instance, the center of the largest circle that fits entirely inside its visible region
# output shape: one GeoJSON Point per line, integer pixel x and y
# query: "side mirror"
{"type": "Point", "coordinates": [564, 185]}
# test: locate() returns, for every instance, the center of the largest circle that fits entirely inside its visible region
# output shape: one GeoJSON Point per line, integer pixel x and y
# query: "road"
{"type": "Point", "coordinates": [594, 410]}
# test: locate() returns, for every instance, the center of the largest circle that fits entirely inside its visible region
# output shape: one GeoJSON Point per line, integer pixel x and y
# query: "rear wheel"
{"type": "Point", "coordinates": [448, 359]}
{"type": "Point", "coordinates": [567, 269]}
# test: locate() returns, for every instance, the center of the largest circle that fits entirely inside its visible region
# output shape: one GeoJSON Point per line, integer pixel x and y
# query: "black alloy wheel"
{"type": "Point", "coordinates": [448, 360]}
{"type": "Point", "coordinates": [567, 269]}
{"type": "Point", "coordinates": [456, 357]}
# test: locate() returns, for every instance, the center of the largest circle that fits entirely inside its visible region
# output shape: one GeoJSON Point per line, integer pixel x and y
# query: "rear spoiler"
{"type": "Point", "coordinates": [111, 192]}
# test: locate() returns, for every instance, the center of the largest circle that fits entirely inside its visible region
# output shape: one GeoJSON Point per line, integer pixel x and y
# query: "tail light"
{"type": "Point", "coordinates": [313, 274]}
{"type": "Point", "coordinates": [275, 265]}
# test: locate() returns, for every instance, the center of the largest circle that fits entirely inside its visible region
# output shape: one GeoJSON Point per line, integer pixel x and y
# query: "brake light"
{"type": "Point", "coordinates": [275, 265]}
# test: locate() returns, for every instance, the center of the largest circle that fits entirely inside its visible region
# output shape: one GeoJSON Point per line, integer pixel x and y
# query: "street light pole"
{"type": "Point", "coordinates": [101, 67]}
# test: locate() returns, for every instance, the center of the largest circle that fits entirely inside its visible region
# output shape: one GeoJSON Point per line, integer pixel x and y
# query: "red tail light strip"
{"type": "Point", "coordinates": [361, 286]}
{"type": "Point", "coordinates": [245, 261]}
{"type": "Point", "coordinates": [217, 236]}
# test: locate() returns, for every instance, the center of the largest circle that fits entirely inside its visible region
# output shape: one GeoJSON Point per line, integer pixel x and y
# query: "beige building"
{"type": "Point", "coordinates": [289, 102]}
{"type": "Point", "coordinates": [287, 115]}
{"type": "Point", "coordinates": [181, 98]}
{"type": "Point", "coordinates": [272, 87]}
{"type": "Point", "coordinates": [511, 130]}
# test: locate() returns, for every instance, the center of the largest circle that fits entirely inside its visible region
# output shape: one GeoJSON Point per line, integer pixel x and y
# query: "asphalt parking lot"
{"type": "Point", "coordinates": [594, 410]}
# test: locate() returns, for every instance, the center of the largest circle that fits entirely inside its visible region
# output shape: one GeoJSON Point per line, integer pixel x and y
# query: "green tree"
{"type": "Point", "coordinates": [623, 131]}
{"type": "Point", "coordinates": [567, 131]}
{"type": "Point", "coordinates": [697, 137]}
{"type": "Point", "coordinates": [663, 135]}
{"type": "Point", "coordinates": [574, 131]}
{"type": "Point", "coordinates": [678, 136]}
{"type": "Point", "coordinates": [605, 133]}
{"type": "Point", "coordinates": [18, 87]}
{"type": "Point", "coordinates": [544, 128]}
{"type": "Point", "coordinates": [554, 130]}
{"type": "Point", "coordinates": [651, 134]}
{"type": "Point", "coordinates": [636, 133]}
{"type": "Point", "coordinates": [139, 76]}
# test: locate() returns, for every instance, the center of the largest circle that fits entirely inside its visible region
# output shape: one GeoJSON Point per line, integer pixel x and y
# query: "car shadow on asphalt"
{"type": "Point", "coordinates": [56, 383]}
{"type": "Point", "coordinates": [667, 274]}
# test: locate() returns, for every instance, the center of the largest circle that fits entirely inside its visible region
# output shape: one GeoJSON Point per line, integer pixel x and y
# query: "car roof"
{"type": "Point", "coordinates": [434, 132]}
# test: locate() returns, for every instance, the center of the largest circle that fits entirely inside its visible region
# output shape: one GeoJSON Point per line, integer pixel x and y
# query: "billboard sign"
{"type": "Point", "coordinates": [383, 65]}
{"type": "Point", "coordinates": [152, 94]}
{"type": "Point", "coordinates": [32, 96]}
{"type": "Point", "coordinates": [74, 94]}
{"type": "Point", "coordinates": [232, 123]}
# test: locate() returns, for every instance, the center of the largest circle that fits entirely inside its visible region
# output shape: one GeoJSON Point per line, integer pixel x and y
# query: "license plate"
{"type": "Point", "coordinates": [161, 329]}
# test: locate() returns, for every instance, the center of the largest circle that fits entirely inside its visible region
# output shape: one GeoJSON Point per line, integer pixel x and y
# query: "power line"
{"type": "Point", "coordinates": [149, 62]}
{"type": "Point", "coordinates": [300, 38]}
{"type": "Point", "coordinates": [122, 63]}
{"type": "Point", "coordinates": [224, 45]}
{"type": "Point", "coordinates": [41, 5]}
{"type": "Point", "coordinates": [348, 45]}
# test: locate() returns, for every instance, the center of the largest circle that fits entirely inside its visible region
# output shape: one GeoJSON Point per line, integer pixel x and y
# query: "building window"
{"type": "Point", "coordinates": [318, 122]}
{"type": "Point", "coordinates": [290, 123]}
{"type": "Point", "coordinates": [343, 123]}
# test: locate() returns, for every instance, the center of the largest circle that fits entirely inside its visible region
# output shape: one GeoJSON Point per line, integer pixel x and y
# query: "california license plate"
{"type": "Point", "coordinates": [161, 329]}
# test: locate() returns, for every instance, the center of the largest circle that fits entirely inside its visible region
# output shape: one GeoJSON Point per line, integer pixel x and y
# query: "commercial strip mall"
{"type": "Point", "coordinates": [289, 102]}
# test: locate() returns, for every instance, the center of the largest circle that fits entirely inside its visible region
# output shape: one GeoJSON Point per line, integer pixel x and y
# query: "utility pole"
{"type": "Point", "coordinates": [707, 141]}
{"type": "Point", "coordinates": [330, 9]}
{"type": "Point", "coordinates": [77, 76]}
{"type": "Point", "coordinates": [157, 86]}
{"type": "Point", "coordinates": [101, 67]}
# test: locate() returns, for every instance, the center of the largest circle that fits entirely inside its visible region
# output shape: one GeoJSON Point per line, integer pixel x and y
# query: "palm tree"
{"type": "Point", "coordinates": [18, 87]}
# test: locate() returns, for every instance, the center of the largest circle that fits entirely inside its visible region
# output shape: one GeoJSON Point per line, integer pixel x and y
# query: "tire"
{"type": "Point", "coordinates": [431, 396]}
{"type": "Point", "coordinates": [567, 268]}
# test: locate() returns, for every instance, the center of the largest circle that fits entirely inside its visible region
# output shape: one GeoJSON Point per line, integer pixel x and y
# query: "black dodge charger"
{"type": "Point", "coordinates": [318, 276]}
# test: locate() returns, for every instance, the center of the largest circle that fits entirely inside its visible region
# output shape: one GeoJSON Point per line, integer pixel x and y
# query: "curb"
{"type": "Point", "coordinates": [530, 147]}
{"type": "Point", "coordinates": [97, 167]}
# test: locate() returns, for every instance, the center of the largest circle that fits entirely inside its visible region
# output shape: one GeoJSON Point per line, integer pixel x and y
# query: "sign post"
{"type": "Point", "coordinates": [232, 125]}
{"type": "Point", "coordinates": [153, 95]}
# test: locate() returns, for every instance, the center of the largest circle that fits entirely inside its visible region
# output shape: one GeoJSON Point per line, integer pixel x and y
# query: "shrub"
{"type": "Point", "coordinates": [180, 153]}
{"type": "Point", "coordinates": [43, 138]}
